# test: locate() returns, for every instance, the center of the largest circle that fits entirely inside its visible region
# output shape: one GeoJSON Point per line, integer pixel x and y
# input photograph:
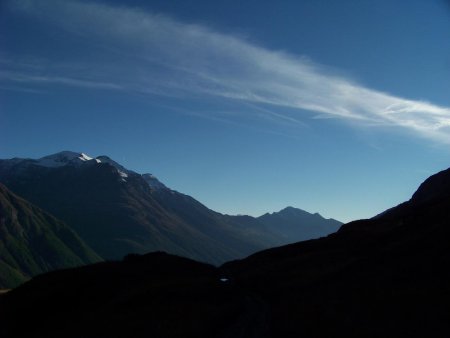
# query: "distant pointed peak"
{"type": "Point", "coordinates": [293, 210]}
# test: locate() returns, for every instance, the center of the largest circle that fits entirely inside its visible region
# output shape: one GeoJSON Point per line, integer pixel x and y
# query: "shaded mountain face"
{"type": "Point", "coordinates": [117, 211]}
{"type": "Point", "coordinates": [383, 277]}
{"type": "Point", "coordinates": [33, 242]}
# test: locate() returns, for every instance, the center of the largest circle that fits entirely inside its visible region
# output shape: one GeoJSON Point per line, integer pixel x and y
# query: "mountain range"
{"type": "Point", "coordinates": [387, 276]}
{"type": "Point", "coordinates": [116, 211]}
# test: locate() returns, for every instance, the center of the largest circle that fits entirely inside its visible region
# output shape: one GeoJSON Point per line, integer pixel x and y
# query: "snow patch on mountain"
{"type": "Point", "coordinates": [85, 157]}
{"type": "Point", "coordinates": [122, 175]}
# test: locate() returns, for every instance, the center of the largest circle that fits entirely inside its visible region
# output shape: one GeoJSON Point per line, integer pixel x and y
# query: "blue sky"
{"type": "Point", "coordinates": [341, 108]}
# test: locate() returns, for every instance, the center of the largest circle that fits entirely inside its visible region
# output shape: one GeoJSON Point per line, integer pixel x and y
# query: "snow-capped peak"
{"type": "Point", "coordinates": [71, 158]}
{"type": "Point", "coordinates": [63, 158]}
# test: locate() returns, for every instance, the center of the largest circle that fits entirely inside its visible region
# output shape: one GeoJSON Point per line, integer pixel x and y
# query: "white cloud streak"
{"type": "Point", "coordinates": [144, 52]}
{"type": "Point", "coordinates": [70, 81]}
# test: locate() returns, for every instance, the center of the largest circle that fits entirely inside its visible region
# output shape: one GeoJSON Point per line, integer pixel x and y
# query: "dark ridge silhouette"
{"type": "Point", "coordinates": [434, 188]}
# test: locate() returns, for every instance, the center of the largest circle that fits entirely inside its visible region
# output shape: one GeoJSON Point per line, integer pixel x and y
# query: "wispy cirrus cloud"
{"type": "Point", "coordinates": [19, 77]}
{"type": "Point", "coordinates": [144, 52]}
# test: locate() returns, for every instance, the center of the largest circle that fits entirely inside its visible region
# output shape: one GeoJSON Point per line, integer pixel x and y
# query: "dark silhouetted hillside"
{"type": "Point", "coordinates": [156, 295]}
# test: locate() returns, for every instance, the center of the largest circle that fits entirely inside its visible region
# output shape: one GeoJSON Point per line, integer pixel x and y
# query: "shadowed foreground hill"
{"type": "Point", "coordinates": [384, 277]}
{"type": "Point", "coordinates": [155, 295]}
{"type": "Point", "coordinates": [33, 242]}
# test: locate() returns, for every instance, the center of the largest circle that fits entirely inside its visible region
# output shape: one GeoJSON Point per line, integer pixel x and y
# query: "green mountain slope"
{"type": "Point", "coordinates": [33, 241]}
